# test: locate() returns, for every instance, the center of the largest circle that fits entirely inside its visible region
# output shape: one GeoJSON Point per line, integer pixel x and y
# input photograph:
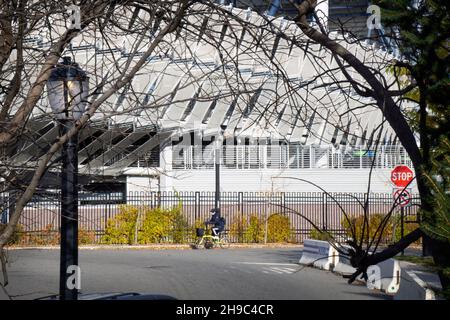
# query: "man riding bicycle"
{"type": "Point", "coordinates": [217, 221]}
{"type": "Point", "coordinates": [216, 238]}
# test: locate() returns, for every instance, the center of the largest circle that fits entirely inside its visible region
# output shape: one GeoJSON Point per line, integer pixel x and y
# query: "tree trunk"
{"type": "Point", "coordinates": [441, 256]}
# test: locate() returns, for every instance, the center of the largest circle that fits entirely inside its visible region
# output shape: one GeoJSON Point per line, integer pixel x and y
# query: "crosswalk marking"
{"type": "Point", "coordinates": [278, 270]}
{"type": "Point", "coordinates": [273, 270]}
{"type": "Point", "coordinates": [270, 267]}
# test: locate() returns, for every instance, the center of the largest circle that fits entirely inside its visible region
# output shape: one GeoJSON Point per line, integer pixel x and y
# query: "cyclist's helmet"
{"type": "Point", "coordinates": [215, 213]}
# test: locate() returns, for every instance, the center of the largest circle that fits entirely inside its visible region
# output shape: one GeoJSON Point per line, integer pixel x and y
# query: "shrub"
{"type": "Point", "coordinates": [407, 228]}
{"type": "Point", "coordinates": [255, 230]}
{"type": "Point", "coordinates": [237, 229]}
{"type": "Point", "coordinates": [163, 225]}
{"type": "Point", "coordinates": [86, 236]}
{"type": "Point", "coordinates": [180, 227]}
{"type": "Point", "coordinates": [122, 228]}
{"type": "Point", "coordinates": [158, 225]}
{"type": "Point", "coordinates": [278, 228]}
{"type": "Point", "coordinates": [46, 237]}
{"type": "Point", "coordinates": [374, 222]}
{"type": "Point", "coordinates": [247, 230]}
{"type": "Point", "coordinates": [319, 235]}
{"type": "Point", "coordinates": [155, 226]}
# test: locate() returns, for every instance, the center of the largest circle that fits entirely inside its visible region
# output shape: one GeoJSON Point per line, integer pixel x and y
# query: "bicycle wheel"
{"type": "Point", "coordinates": [224, 243]}
{"type": "Point", "coordinates": [209, 244]}
{"type": "Point", "coordinates": [198, 243]}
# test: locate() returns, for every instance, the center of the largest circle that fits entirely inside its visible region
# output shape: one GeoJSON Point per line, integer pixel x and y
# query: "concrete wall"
{"type": "Point", "coordinates": [332, 180]}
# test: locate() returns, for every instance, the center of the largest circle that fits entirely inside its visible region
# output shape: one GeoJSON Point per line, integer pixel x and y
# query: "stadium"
{"type": "Point", "coordinates": [290, 120]}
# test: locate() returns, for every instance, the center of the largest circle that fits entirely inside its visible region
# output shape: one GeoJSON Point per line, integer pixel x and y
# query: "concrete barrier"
{"type": "Point", "coordinates": [416, 285]}
{"type": "Point", "coordinates": [343, 265]}
{"type": "Point", "coordinates": [384, 276]}
{"type": "Point", "coordinates": [319, 254]}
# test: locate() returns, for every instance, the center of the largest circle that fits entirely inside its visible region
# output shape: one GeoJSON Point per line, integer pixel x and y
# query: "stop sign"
{"type": "Point", "coordinates": [401, 176]}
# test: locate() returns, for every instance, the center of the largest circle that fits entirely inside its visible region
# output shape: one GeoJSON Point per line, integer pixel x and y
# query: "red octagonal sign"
{"type": "Point", "coordinates": [401, 176]}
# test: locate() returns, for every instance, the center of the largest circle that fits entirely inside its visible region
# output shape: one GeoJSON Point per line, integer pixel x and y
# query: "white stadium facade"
{"type": "Point", "coordinates": [269, 134]}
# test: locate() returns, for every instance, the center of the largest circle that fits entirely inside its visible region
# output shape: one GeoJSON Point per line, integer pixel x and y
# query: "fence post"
{"type": "Point", "coordinates": [324, 212]}
{"type": "Point", "coordinates": [159, 199]}
{"type": "Point", "coordinates": [152, 199]}
{"type": "Point", "coordinates": [107, 214]}
{"type": "Point", "coordinates": [241, 202]}
{"type": "Point", "coordinates": [197, 205]}
{"type": "Point", "coordinates": [136, 227]}
{"type": "Point", "coordinates": [266, 219]}
{"type": "Point", "coordinates": [11, 205]}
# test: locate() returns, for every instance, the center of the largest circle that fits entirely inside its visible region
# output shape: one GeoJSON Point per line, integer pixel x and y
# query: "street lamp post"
{"type": "Point", "coordinates": [68, 88]}
{"type": "Point", "coordinates": [218, 157]}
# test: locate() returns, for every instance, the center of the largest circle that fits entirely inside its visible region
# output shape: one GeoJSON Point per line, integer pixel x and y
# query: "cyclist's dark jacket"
{"type": "Point", "coordinates": [219, 222]}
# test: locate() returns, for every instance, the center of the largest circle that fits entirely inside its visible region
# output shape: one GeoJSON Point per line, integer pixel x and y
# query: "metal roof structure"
{"type": "Point", "coordinates": [194, 85]}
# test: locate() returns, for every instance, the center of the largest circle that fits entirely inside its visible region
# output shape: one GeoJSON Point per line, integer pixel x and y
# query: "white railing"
{"type": "Point", "coordinates": [293, 156]}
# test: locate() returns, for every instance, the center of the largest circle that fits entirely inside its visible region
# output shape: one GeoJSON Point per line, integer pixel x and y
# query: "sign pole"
{"type": "Point", "coordinates": [402, 222]}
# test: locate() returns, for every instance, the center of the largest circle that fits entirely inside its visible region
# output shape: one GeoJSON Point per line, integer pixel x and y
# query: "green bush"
{"type": "Point", "coordinates": [122, 228]}
{"type": "Point", "coordinates": [158, 225]}
{"type": "Point", "coordinates": [237, 229]}
{"type": "Point", "coordinates": [255, 230]}
{"type": "Point", "coordinates": [169, 225]}
{"type": "Point", "coordinates": [179, 231]}
{"type": "Point", "coordinates": [373, 224]}
{"type": "Point", "coordinates": [407, 228]}
{"type": "Point", "coordinates": [248, 230]}
{"type": "Point", "coordinates": [375, 220]}
{"type": "Point", "coordinates": [252, 230]}
{"type": "Point", "coordinates": [164, 225]}
{"type": "Point", "coordinates": [319, 235]}
{"type": "Point", "coordinates": [155, 226]}
{"type": "Point", "coordinates": [278, 228]}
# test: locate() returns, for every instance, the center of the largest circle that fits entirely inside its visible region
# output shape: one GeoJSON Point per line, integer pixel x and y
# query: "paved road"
{"type": "Point", "coordinates": [184, 274]}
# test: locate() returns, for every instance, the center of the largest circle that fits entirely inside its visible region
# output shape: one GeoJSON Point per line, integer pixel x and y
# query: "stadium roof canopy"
{"type": "Point", "coordinates": [255, 76]}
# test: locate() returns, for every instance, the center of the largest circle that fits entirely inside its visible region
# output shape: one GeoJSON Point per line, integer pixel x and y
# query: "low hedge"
{"type": "Point", "coordinates": [145, 225]}
{"type": "Point", "coordinates": [391, 232]}
{"type": "Point", "coordinates": [253, 228]}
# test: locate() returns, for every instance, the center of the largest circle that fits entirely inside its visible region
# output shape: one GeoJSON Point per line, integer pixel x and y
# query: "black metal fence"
{"type": "Point", "coordinates": [42, 215]}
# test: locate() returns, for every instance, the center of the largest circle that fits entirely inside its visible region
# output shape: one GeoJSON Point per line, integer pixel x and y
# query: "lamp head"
{"type": "Point", "coordinates": [68, 89]}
